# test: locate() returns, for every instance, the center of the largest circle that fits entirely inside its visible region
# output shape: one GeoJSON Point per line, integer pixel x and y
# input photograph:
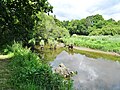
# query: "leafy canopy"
{"type": "Point", "coordinates": [93, 25]}
{"type": "Point", "coordinates": [17, 18]}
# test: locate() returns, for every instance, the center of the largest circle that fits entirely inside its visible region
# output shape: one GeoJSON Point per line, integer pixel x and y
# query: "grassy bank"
{"type": "Point", "coordinates": [105, 43]}
{"type": "Point", "coordinates": [98, 55]}
{"type": "Point", "coordinates": [27, 72]}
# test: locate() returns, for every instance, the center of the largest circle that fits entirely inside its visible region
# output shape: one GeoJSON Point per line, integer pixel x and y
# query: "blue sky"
{"type": "Point", "coordinates": [78, 9]}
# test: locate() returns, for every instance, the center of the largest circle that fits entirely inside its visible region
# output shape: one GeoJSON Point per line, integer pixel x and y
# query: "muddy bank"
{"type": "Point", "coordinates": [91, 50]}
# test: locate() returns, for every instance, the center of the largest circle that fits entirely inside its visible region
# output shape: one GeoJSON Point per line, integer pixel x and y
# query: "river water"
{"type": "Point", "coordinates": [93, 74]}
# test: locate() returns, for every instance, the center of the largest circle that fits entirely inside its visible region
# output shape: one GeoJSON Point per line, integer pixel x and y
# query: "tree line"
{"type": "Point", "coordinates": [25, 20]}
{"type": "Point", "coordinates": [30, 20]}
{"type": "Point", "coordinates": [18, 17]}
{"type": "Point", "coordinates": [93, 25]}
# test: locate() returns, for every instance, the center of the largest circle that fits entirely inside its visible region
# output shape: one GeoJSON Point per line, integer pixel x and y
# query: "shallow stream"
{"type": "Point", "coordinates": [93, 74]}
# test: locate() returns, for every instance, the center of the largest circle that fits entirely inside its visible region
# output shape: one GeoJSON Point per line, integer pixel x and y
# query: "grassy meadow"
{"type": "Point", "coordinates": [104, 43]}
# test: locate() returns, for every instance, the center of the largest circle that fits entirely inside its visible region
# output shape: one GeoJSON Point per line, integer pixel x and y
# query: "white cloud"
{"type": "Point", "coordinates": [77, 9]}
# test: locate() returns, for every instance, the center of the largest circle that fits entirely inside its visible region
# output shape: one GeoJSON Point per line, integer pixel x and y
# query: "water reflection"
{"type": "Point", "coordinates": [93, 74]}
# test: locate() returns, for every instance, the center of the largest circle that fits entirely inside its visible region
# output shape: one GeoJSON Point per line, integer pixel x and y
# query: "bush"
{"type": "Point", "coordinates": [28, 72]}
{"type": "Point", "coordinates": [107, 30]}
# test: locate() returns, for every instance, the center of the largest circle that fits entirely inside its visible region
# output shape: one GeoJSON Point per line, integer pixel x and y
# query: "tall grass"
{"type": "Point", "coordinates": [105, 43]}
{"type": "Point", "coordinates": [29, 73]}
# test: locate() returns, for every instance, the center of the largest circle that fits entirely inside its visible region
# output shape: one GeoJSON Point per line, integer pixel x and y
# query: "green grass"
{"type": "Point", "coordinates": [104, 43]}
{"type": "Point", "coordinates": [29, 73]}
{"type": "Point", "coordinates": [4, 75]}
{"type": "Point", "coordinates": [25, 66]}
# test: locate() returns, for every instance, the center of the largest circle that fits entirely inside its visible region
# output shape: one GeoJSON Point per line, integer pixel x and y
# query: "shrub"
{"type": "Point", "coordinates": [29, 72]}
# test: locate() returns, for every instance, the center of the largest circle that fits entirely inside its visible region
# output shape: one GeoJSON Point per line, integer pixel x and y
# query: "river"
{"type": "Point", "coordinates": [93, 74]}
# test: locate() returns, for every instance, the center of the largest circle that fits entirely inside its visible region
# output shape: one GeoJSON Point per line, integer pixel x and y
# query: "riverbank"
{"type": "Point", "coordinates": [91, 50]}
{"type": "Point", "coordinates": [103, 43]}
{"type": "Point", "coordinates": [51, 55]}
{"type": "Point", "coordinates": [97, 51]}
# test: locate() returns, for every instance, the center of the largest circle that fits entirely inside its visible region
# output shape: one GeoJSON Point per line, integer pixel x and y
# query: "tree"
{"type": "Point", "coordinates": [111, 21]}
{"type": "Point", "coordinates": [17, 18]}
{"type": "Point", "coordinates": [93, 25]}
{"type": "Point", "coordinates": [107, 30]}
{"type": "Point", "coordinates": [47, 28]}
{"type": "Point", "coordinates": [58, 22]}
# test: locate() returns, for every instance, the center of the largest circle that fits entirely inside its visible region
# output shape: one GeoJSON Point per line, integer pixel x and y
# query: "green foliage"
{"type": "Point", "coordinates": [76, 26]}
{"type": "Point", "coordinates": [81, 27]}
{"type": "Point", "coordinates": [58, 22]}
{"type": "Point", "coordinates": [47, 28]}
{"type": "Point", "coordinates": [32, 41]}
{"type": "Point", "coordinates": [107, 30]}
{"type": "Point", "coordinates": [106, 43]}
{"type": "Point", "coordinates": [93, 25]}
{"type": "Point", "coordinates": [42, 42]}
{"type": "Point", "coordinates": [17, 18]}
{"type": "Point", "coordinates": [29, 73]}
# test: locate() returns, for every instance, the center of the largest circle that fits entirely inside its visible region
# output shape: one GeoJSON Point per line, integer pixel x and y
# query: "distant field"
{"type": "Point", "coordinates": [105, 43]}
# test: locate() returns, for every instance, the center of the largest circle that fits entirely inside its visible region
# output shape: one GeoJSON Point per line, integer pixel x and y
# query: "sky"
{"type": "Point", "coordinates": [78, 9]}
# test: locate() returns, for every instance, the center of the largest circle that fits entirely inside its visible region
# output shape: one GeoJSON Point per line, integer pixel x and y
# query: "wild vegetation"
{"type": "Point", "coordinates": [47, 29]}
{"type": "Point", "coordinates": [17, 19]}
{"type": "Point", "coordinates": [28, 22]}
{"type": "Point", "coordinates": [105, 43]}
{"type": "Point", "coordinates": [31, 74]}
{"type": "Point", "coordinates": [93, 25]}
{"type": "Point", "coordinates": [96, 32]}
